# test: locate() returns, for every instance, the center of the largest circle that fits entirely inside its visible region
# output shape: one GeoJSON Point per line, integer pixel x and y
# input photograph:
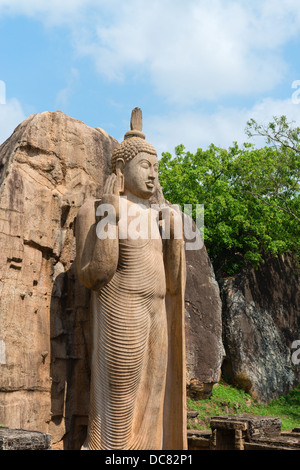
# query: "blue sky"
{"type": "Point", "coordinates": [199, 69]}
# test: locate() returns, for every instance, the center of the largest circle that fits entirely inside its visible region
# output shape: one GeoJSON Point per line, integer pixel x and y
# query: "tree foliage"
{"type": "Point", "coordinates": [250, 196]}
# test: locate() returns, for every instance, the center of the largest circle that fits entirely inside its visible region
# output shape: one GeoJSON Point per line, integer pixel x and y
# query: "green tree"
{"type": "Point", "coordinates": [250, 196]}
{"type": "Point", "coordinates": [279, 178]}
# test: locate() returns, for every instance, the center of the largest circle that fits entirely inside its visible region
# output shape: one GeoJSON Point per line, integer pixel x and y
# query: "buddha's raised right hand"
{"type": "Point", "coordinates": [111, 195]}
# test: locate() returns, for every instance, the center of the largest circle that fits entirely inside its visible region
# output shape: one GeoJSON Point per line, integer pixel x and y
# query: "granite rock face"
{"type": "Point", "coordinates": [49, 167]}
{"type": "Point", "coordinates": [261, 321]}
{"type": "Point", "coordinates": [203, 310]}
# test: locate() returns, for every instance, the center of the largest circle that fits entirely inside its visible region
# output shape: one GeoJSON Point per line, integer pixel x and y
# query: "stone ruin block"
{"type": "Point", "coordinates": [19, 439]}
{"type": "Point", "coordinates": [232, 431]}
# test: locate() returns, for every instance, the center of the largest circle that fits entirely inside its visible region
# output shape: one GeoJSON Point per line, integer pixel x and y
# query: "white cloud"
{"type": "Point", "coordinates": [189, 51]}
{"type": "Point", "coordinates": [222, 128]}
{"type": "Point", "coordinates": [11, 115]}
{"type": "Point", "coordinates": [195, 50]}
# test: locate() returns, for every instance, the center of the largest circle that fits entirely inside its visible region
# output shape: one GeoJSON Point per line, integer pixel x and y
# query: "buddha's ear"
{"type": "Point", "coordinates": [119, 171]}
{"type": "Point", "coordinates": [120, 164]}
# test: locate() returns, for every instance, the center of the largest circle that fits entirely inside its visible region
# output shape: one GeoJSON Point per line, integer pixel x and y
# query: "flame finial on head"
{"type": "Point", "coordinates": [134, 141]}
{"type": "Point", "coordinates": [136, 125]}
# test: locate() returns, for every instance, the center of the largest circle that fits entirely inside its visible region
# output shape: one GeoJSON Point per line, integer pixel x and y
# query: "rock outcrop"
{"type": "Point", "coordinates": [204, 352]}
{"type": "Point", "coordinates": [49, 166]}
{"type": "Point", "coordinates": [261, 321]}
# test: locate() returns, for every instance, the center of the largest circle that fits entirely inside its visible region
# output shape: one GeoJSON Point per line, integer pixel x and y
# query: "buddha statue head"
{"type": "Point", "coordinates": [134, 161]}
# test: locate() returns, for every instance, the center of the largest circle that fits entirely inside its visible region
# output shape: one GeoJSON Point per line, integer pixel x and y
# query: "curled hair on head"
{"type": "Point", "coordinates": [128, 149]}
{"type": "Point", "coordinates": [134, 142]}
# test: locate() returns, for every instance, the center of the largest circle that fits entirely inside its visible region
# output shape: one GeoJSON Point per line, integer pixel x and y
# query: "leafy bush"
{"type": "Point", "coordinates": [226, 399]}
{"type": "Point", "coordinates": [251, 199]}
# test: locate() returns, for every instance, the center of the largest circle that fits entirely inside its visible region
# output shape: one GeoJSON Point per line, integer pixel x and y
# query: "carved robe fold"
{"type": "Point", "coordinates": [137, 391]}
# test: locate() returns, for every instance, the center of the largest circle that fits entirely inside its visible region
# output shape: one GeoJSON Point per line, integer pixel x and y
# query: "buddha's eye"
{"type": "Point", "coordinates": [145, 164]}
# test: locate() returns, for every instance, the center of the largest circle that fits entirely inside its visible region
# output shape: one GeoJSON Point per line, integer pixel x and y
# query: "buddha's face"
{"type": "Point", "coordinates": [141, 175]}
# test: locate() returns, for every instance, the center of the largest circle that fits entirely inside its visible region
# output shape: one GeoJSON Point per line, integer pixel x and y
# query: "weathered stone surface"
{"type": "Point", "coordinates": [261, 320]}
{"type": "Point", "coordinates": [243, 432]}
{"type": "Point", "coordinates": [49, 166]}
{"type": "Point", "coordinates": [255, 425]}
{"type": "Point", "coordinates": [18, 439]}
{"type": "Point", "coordinates": [276, 443]}
{"type": "Point", "coordinates": [232, 431]}
{"type": "Point", "coordinates": [198, 439]}
{"type": "Point", "coordinates": [203, 306]}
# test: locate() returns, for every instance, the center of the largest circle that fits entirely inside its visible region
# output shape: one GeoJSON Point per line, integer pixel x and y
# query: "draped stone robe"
{"type": "Point", "coordinates": [137, 394]}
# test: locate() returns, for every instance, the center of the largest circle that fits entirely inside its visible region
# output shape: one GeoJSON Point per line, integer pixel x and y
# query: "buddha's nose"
{"type": "Point", "coordinates": [151, 172]}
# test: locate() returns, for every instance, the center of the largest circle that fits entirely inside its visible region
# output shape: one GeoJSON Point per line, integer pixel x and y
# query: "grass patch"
{"type": "Point", "coordinates": [228, 400]}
